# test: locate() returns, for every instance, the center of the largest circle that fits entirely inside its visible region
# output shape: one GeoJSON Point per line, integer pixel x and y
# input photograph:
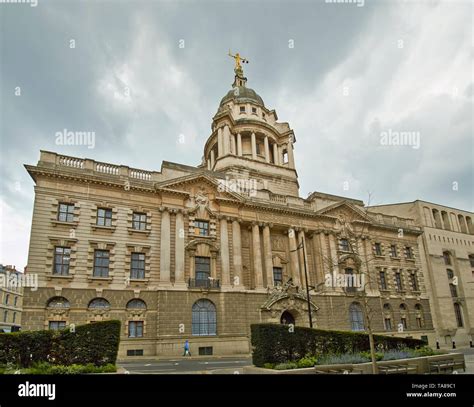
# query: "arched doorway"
{"type": "Point", "coordinates": [287, 318]}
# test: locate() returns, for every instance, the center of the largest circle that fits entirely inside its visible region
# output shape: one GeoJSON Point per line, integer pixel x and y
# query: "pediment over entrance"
{"type": "Point", "coordinates": [287, 298]}
{"type": "Point", "coordinates": [345, 212]}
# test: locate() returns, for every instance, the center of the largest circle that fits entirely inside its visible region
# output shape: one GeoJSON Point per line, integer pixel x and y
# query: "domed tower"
{"type": "Point", "coordinates": [247, 142]}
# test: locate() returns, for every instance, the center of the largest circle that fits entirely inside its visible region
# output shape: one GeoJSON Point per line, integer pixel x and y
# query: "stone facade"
{"type": "Point", "coordinates": [448, 258]}
{"type": "Point", "coordinates": [211, 249]}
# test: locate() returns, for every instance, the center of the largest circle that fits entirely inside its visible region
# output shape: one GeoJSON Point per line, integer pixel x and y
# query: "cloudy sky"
{"type": "Point", "coordinates": [146, 75]}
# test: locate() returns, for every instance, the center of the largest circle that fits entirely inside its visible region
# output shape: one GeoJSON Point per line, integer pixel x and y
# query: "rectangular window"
{"type": "Point", "coordinates": [378, 249]}
{"type": "Point", "coordinates": [135, 329]}
{"type": "Point", "coordinates": [254, 110]}
{"type": "Point", "coordinates": [383, 281]}
{"type": "Point", "coordinates": [344, 245]}
{"type": "Point", "coordinates": [205, 350]}
{"type": "Point", "coordinates": [398, 280]}
{"type": "Point", "coordinates": [139, 221]}
{"type": "Point", "coordinates": [277, 276]}
{"type": "Point", "coordinates": [134, 352]}
{"type": "Point", "coordinates": [447, 258]}
{"type": "Point", "coordinates": [7, 298]}
{"type": "Point", "coordinates": [15, 301]}
{"type": "Point", "coordinates": [62, 257]}
{"type": "Point", "coordinates": [5, 316]}
{"type": "Point", "coordinates": [419, 322]}
{"type": "Point", "coordinates": [137, 266]}
{"type": "Point", "coordinates": [408, 252]}
{"type": "Point", "coordinates": [104, 217]}
{"type": "Point", "coordinates": [471, 260]}
{"type": "Point", "coordinates": [201, 228]}
{"type": "Point", "coordinates": [203, 270]}
{"type": "Point", "coordinates": [101, 263]}
{"type": "Point", "coordinates": [393, 250]}
{"type": "Point", "coordinates": [242, 109]}
{"type": "Point", "coordinates": [388, 324]}
{"type": "Point", "coordinates": [257, 147]}
{"type": "Point", "coordinates": [414, 282]}
{"type": "Point", "coordinates": [454, 290]}
{"type": "Point", "coordinates": [57, 325]}
{"type": "Point", "coordinates": [66, 212]}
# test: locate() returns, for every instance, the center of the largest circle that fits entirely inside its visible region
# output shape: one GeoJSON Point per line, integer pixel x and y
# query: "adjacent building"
{"type": "Point", "coordinates": [11, 299]}
{"type": "Point", "coordinates": [202, 252]}
{"type": "Point", "coordinates": [447, 257]}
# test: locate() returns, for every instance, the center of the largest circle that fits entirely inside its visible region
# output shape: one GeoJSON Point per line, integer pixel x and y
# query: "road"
{"type": "Point", "coordinates": [187, 365]}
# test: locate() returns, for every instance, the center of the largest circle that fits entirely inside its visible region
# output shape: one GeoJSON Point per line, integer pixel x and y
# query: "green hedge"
{"type": "Point", "coordinates": [95, 343]}
{"type": "Point", "coordinates": [273, 343]}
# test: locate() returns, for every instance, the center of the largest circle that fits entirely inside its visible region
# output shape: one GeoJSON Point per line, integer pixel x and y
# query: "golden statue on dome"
{"type": "Point", "coordinates": [238, 60]}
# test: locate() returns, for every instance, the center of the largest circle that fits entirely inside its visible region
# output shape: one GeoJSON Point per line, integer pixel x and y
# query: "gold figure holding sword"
{"type": "Point", "coordinates": [238, 59]}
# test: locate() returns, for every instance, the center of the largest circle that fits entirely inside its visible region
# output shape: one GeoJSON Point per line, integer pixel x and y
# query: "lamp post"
{"type": "Point", "coordinates": [301, 246]}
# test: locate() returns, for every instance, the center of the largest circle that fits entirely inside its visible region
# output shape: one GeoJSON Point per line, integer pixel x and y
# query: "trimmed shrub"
{"type": "Point", "coordinates": [273, 343]}
{"type": "Point", "coordinates": [95, 344]}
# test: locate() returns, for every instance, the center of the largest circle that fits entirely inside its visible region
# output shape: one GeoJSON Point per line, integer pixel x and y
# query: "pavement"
{"type": "Point", "coordinates": [468, 357]}
{"type": "Point", "coordinates": [186, 365]}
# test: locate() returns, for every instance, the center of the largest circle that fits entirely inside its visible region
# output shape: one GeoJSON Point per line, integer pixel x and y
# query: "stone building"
{"type": "Point", "coordinates": [11, 299]}
{"type": "Point", "coordinates": [448, 260]}
{"type": "Point", "coordinates": [200, 253]}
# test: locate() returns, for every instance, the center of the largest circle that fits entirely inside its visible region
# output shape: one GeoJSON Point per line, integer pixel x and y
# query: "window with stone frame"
{"type": "Point", "coordinates": [201, 227]}
{"type": "Point", "coordinates": [398, 281]}
{"type": "Point", "coordinates": [414, 281]}
{"type": "Point", "coordinates": [383, 280]}
{"type": "Point", "coordinates": [56, 325]}
{"type": "Point", "coordinates": [458, 313]}
{"type": "Point", "coordinates": [409, 252]}
{"type": "Point", "coordinates": [139, 221]}
{"type": "Point", "coordinates": [135, 329]}
{"type": "Point", "coordinates": [204, 318]}
{"type": "Point", "coordinates": [137, 266]}
{"type": "Point", "coordinates": [277, 276]}
{"type": "Point", "coordinates": [447, 258]}
{"type": "Point", "coordinates": [356, 317]}
{"type": "Point", "coordinates": [393, 251]}
{"type": "Point", "coordinates": [104, 217]}
{"type": "Point", "coordinates": [62, 258]}
{"type": "Point", "coordinates": [101, 263]}
{"type": "Point", "coordinates": [453, 289]}
{"type": "Point", "coordinates": [450, 273]}
{"type": "Point", "coordinates": [404, 322]}
{"type": "Point", "coordinates": [65, 212]}
{"type": "Point", "coordinates": [202, 270]}
{"type": "Point", "coordinates": [378, 249]}
{"type": "Point", "coordinates": [388, 324]}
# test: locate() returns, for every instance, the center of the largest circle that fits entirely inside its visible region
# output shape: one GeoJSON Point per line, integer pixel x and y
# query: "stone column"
{"type": "Point", "coordinates": [276, 157]}
{"type": "Point", "coordinates": [291, 157]}
{"type": "Point", "coordinates": [295, 269]}
{"type": "Point", "coordinates": [165, 247]}
{"type": "Point", "coordinates": [254, 146]}
{"type": "Point", "coordinates": [220, 146]}
{"type": "Point", "coordinates": [226, 136]}
{"type": "Point", "coordinates": [257, 257]}
{"type": "Point", "coordinates": [238, 282]}
{"type": "Point", "coordinates": [213, 159]}
{"type": "Point", "coordinates": [301, 258]}
{"type": "Point", "coordinates": [179, 250]}
{"type": "Point", "coordinates": [267, 255]}
{"type": "Point", "coordinates": [233, 144]}
{"type": "Point", "coordinates": [225, 262]}
{"type": "Point", "coordinates": [317, 257]}
{"type": "Point", "coordinates": [267, 150]}
{"type": "Point", "coordinates": [239, 145]}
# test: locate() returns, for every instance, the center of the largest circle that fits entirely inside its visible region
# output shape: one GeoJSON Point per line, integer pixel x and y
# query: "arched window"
{"type": "Point", "coordinates": [287, 318]}
{"type": "Point", "coordinates": [58, 302]}
{"type": "Point", "coordinates": [204, 318]}
{"type": "Point", "coordinates": [403, 307]}
{"type": "Point", "coordinates": [356, 317]}
{"type": "Point", "coordinates": [387, 307]}
{"type": "Point", "coordinates": [99, 303]}
{"type": "Point", "coordinates": [136, 304]}
{"type": "Point", "coordinates": [470, 226]}
{"type": "Point", "coordinates": [458, 312]}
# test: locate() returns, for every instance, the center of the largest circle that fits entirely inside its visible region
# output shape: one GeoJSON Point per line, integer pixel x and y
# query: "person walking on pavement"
{"type": "Point", "coordinates": [186, 348]}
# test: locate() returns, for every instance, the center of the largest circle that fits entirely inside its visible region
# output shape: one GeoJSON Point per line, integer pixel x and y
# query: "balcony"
{"type": "Point", "coordinates": [205, 284]}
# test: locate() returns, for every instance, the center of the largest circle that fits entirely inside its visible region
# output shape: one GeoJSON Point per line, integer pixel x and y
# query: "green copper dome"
{"type": "Point", "coordinates": [242, 94]}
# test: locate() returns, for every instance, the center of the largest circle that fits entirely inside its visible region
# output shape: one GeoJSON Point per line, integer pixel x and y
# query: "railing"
{"type": "Point", "coordinates": [140, 174]}
{"type": "Point", "coordinates": [107, 168]}
{"type": "Point", "coordinates": [71, 162]}
{"type": "Point", "coordinates": [209, 284]}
